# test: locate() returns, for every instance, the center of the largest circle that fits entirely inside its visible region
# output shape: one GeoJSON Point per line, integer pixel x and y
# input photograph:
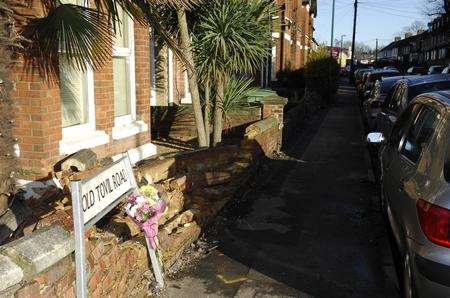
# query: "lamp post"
{"type": "Point", "coordinates": [332, 28]}
{"type": "Point", "coordinates": [340, 51]}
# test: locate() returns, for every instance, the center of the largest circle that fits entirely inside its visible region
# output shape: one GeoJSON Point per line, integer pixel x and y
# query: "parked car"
{"type": "Point", "coordinates": [359, 73]}
{"type": "Point", "coordinates": [435, 69]}
{"type": "Point", "coordinates": [380, 93]}
{"type": "Point", "coordinates": [416, 70]}
{"type": "Point", "coordinates": [402, 94]}
{"type": "Point", "coordinates": [415, 183]}
{"type": "Point", "coordinates": [375, 76]}
{"type": "Point", "coordinates": [362, 82]}
{"type": "Point", "coordinates": [390, 68]}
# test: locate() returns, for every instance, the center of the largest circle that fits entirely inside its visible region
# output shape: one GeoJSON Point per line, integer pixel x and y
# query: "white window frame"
{"type": "Point", "coordinates": [187, 98]}
{"type": "Point", "coordinates": [170, 77]}
{"type": "Point", "coordinates": [152, 68]}
{"type": "Point", "coordinates": [129, 55]}
{"type": "Point", "coordinates": [81, 136]}
{"type": "Point", "coordinates": [70, 131]}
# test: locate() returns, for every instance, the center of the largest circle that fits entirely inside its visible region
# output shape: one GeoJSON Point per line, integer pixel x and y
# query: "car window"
{"type": "Point", "coordinates": [402, 124]}
{"type": "Point", "coordinates": [419, 134]}
{"type": "Point", "coordinates": [397, 97]}
{"type": "Point", "coordinates": [391, 97]}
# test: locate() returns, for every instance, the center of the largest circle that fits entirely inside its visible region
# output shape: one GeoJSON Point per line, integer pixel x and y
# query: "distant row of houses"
{"type": "Point", "coordinates": [426, 47]}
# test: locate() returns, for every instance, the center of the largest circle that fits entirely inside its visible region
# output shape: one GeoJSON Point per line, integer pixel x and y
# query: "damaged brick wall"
{"type": "Point", "coordinates": [196, 185]}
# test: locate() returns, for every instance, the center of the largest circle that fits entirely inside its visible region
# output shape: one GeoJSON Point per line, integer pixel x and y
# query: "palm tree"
{"type": "Point", "coordinates": [232, 36]}
{"type": "Point", "coordinates": [86, 35]}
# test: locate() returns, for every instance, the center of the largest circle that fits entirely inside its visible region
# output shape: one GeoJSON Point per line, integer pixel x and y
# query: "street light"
{"type": "Point", "coordinates": [332, 28]}
{"type": "Point", "coordinates": [340, 52]}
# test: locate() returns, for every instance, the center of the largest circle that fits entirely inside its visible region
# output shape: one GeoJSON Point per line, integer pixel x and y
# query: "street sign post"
{"type": "Point", "coordinates": [92, 199]}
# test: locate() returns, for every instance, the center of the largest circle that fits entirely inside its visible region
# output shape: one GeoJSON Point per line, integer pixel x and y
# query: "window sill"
{"type": "Point", "coordinates": [84, 140]}
{"type": "Point", "coordinates": [128, 130]}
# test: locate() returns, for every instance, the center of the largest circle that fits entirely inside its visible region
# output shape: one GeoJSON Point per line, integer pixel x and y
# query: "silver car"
{"type": "Point", "coordinates": [415, 182]}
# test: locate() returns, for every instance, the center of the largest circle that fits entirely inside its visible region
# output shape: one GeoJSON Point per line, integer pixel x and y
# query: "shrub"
{"type": "Point", "coordinates": [322, 74]}
{"type": "Point", "coordinates": [291, 78]}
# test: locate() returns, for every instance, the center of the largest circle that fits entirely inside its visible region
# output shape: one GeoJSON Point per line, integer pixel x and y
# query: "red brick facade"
{"type": "Point", "coordinates": [295, 39]}
{"type": "Point", "coordinates": [38, 122]}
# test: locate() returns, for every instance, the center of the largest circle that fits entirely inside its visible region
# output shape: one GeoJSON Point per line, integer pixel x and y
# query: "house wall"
{"type": "Point", "coordinates": [38, 121]}
{"type": "Point", "coordinates": [293, 45]}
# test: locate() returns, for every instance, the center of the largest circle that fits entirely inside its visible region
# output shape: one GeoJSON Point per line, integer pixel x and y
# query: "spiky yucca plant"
{"type": "Point", "coordinates": [232, 36]}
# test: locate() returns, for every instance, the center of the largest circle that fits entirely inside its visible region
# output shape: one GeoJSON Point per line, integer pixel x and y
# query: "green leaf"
{"type": "Point", "coordinates": [83, 34]}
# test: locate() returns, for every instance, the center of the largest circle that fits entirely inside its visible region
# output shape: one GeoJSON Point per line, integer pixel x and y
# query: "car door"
{"type": "Point", "coordinates": [391, 164]}
{"type": "Point", "coordinates": [388, 115]}
{"type": "Point", "coordinates": [403, 189]}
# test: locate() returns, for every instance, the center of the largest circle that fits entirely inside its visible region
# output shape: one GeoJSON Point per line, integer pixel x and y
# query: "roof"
{"type": "Point", "coordinates": [418, 80]}
{"type": "Point", "coordinates": [388, 82]}
{"type": "Point", "coordinates": [442, 96]}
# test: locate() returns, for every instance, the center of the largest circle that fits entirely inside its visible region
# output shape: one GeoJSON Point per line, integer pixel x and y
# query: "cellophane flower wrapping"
{"type": "Point", "coordinates": [146, 208]}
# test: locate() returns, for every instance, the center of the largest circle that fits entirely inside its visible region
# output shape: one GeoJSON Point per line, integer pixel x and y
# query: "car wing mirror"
{"type": "Point", "coordinates": [376, 138]}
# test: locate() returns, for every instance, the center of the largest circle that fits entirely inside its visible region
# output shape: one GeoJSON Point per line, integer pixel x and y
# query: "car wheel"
{"type": "Point", "coordinates": [407, 278]}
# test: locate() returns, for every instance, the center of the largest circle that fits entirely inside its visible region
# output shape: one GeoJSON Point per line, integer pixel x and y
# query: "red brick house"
{"type": "Point", "coordinates": [295, 40]}
{"type": "Point", "coordinates": [106, 110]}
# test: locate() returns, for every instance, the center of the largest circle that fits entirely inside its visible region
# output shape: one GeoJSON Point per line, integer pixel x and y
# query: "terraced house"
{"type": "Point", "coordinates": [295, 39]}
{"type": "Point", "coordinates": [426, 47]}
{"type": "Point", "coordinates": [108, 110]}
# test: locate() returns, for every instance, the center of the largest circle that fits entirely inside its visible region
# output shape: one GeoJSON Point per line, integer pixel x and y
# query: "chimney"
{"type": "Point", "coordinates": [408, 34]}
{"type": "Point", "coordinates": [397, 38]}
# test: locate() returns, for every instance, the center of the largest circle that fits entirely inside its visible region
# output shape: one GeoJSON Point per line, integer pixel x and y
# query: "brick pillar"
{"type": "Point", "coordinates": [142, 59]}
{"type": "Point", "coordinates": [274, 106]}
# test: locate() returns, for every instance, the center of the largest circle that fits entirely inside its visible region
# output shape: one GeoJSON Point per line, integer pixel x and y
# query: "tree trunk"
{"type": "Point", "coordinates": [8, 161]}
{"type": "Point", "coordinates": [192, 76]}
{"type": "Point", "coordinates": [208, 112]}
{"type": "Point", "coordinates": [218, 112]}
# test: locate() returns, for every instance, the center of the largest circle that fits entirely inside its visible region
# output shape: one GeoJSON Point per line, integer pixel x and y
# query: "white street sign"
{"type": "Point", "coordinates": [92, 199]}
{"type": "Point", "coordinates": [104, 189]}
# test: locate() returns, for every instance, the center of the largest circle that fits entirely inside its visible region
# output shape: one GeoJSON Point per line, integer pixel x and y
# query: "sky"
{"type": "Point", "coordinates": [380, 19]}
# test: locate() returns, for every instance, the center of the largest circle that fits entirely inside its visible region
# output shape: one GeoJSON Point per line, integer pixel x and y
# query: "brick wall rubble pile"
{"type": "Point", "coordinates": [196, 185]}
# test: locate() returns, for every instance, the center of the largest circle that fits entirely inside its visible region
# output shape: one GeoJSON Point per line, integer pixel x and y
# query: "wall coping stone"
{"type": "Point", "coordinates": [10, 273]}
{"type": "Point", "coordinates": [261, 126]}
{"type": "Point", "coordinates": [274, 100]}
{"type": "Point", "coordinates": [40, 250]}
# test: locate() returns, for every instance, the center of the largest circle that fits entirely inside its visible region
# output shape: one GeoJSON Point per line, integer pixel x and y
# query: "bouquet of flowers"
{"type": "Point", "coordinates": [145, 209]}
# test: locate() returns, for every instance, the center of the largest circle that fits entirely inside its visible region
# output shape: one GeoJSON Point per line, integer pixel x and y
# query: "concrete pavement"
{"type": "Point", "coordinates": [311, 228]}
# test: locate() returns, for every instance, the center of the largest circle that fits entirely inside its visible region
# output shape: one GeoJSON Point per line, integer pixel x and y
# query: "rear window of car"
{"type": "Point", "coordinates": [425, 88]}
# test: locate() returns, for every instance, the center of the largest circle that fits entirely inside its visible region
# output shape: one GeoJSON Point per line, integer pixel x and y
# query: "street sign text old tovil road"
{"type": "Point", "coordinates": [92, 199]}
